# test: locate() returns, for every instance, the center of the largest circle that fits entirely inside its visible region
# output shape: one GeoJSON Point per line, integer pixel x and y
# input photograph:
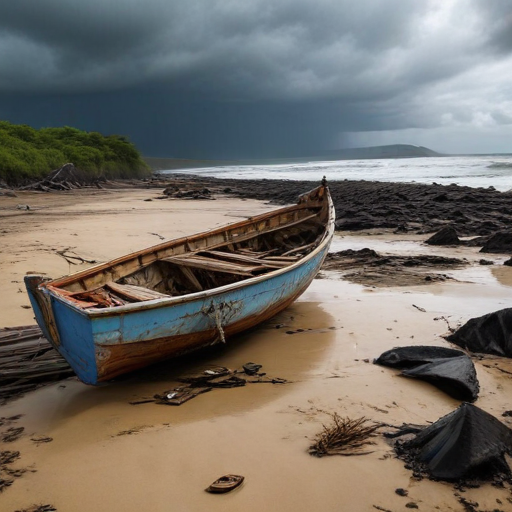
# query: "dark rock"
{"type": "Point", "coordinates": [488, 334]}
{"type": "Point", "coordinates": [500, 242]}
{"type": "Point", "coordinates": [508, 262]}
{"type": "Point", "coordinates": [486, 262]}
{"type": "Point", "coordinates": [446, 236]}
{"type": "Point", "coordinates": [401, 492]}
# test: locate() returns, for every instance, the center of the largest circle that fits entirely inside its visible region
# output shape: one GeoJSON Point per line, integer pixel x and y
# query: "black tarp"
{"type": "Point", "coordinates": [456, 376]}
{"type": "Point", "coordinates": [488, 334]}
{"type": "Point", "coordinates": [408, 357]}
{"type": "Point", "coordinates": [467, 443]}
{"type": "Point", "coordinates": [450, 370]}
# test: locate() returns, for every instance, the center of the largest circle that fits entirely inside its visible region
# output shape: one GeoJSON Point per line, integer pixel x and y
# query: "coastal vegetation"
{"type": "Point", "coordinates": [27, 154]}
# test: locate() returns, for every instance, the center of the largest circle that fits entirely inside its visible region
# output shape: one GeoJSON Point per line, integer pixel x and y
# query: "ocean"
{"type": "Point", "coordinates": [472, 171]}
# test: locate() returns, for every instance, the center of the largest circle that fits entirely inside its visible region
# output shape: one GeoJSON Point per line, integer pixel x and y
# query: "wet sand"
{"type": "Point", "coordinates": [109, 455]}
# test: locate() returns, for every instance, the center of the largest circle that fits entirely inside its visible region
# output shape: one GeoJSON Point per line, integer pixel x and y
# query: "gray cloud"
{"type": "Point", "coordinates": [314, 69]}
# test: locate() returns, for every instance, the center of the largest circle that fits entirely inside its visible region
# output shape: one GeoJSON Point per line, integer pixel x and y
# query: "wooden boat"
{"type": "Point", "coordinates": [183, 294]}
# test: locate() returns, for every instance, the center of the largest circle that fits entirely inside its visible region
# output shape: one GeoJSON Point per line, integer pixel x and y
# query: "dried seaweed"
{"type": "Point", "coordinates": [6, 459]}
{"type": "Point", "coordinates": [11, 434]}
{"type": "Point", "coordinates": [39, 508]}
{"type": "Point", "coordinates": [345, 437]}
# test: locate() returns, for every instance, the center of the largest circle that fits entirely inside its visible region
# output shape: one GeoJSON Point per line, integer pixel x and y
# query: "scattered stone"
{"type": "Point", "coordinates": [402, 492]}
{"type": "Point", "coordinates": [508, 262]}
{"type": "Point", "coordinates": [488, 334]}
{"type": "Point", "coordinates": [486, 262]}
{"type": "Point", "coordinates": [445, 236]}
{"type": "Point", "coordinates": [500, 242]}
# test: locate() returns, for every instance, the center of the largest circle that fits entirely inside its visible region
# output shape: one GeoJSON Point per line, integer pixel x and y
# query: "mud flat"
{"type": "Point", "coordinates": [102, 453]}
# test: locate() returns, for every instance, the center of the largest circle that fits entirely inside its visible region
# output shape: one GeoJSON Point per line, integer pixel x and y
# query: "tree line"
{"type": "Point", "coordinates": [27, 154]}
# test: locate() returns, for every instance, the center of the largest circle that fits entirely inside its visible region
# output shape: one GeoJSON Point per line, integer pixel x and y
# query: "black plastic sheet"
{"type": "Point", "coordinates": [465, 444]}
{"type": "Point", "coordinates": [450, 370]}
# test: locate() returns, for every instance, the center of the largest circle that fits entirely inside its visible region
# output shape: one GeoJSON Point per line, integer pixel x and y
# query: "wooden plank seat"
{"type": "Point", "coordinates": [205, 263]}
{"type": "Point", "coordinates": [244, 258]}
{"type": "Point", "coordinates": [135, 293]}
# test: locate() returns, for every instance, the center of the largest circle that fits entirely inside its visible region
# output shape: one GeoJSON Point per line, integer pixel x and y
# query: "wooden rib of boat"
{"type": "Point", "coordinates": [183, 294]}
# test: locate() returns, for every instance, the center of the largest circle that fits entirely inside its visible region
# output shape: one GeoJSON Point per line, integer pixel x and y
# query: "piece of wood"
{"type": "Point", "coordinates": [297, 249]}
{"type": "Point", "coordinates": [281, 258]}
{"type": "Point", "coordinates": [191, 278]}
{"type": "Point", "coordinates": [192, 260]}
{"type": "Point", "coordinates": [136, 293]}
{"type": "Point", "coordinates": [241, 258]}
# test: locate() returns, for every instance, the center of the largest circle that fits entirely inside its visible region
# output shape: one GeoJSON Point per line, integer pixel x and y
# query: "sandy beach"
{"type": "Point", "coordinates": [107, 454]}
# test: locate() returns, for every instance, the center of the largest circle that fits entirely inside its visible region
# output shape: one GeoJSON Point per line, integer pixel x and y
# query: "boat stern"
{"type": "Point", "coordinates": [65, 327]}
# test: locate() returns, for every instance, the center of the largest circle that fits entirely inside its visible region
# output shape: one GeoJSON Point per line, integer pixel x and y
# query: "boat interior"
{"type": "Point", "coordinates": [203, 262]}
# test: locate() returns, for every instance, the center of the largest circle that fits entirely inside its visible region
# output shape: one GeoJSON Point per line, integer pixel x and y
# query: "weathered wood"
{"type": "Point", "coordinates": [136, 293]}
{"type": "Point", "coordinates": [298, 249]}
{"type": "Point", "coordinates": [242, 258]}
{"type": "Point", "coordinates": [189, 275]}
{"type": "Point", "coordinates": [195, 261]}
{"type": "Point", "coordinates": [27, 361]}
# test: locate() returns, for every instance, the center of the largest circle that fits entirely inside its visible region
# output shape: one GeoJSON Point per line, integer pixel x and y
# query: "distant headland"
{"type": "Point", "coordinates": [373, 152]}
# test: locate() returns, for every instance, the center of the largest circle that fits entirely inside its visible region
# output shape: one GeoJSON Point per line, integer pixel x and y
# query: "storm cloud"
{"type": "Point", "coordinates": [227, 79]}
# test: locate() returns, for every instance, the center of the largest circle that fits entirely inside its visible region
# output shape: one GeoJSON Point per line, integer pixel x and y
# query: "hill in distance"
{"type": "Point", "coordinates": [373, 152]}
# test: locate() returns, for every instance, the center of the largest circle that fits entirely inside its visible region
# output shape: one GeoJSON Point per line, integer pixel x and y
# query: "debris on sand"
{"type": "Point", "coordinates": [487, 334]}
{"type": "Point", "coordinates": [225, 484]}
{"type": "Point", "coordinates": [450, 370]}
{"type": "Point", "coordinates": [179, 395]}
{"type": "Point", "coordinates": [27, 361]}
{"type": "Point", "coordinates": [408, 357]}
{"type": "Point", "coordinates": [41, 439]}
{"type": "Point", "coordinates": [344, 437]}
{"type": "Point", "coordinates": [66, 177]}
{"type": "Point", "coordinates": [206, 380]}
{"type": "Point", "coordinates": [39, 508]}
{"type": "Point", "coordinates": [372, 268]}
{"type": "Point", "coordinates": [466, 444]}
{"type": "Point", "coordinates": [194, 193]}
{"type": "Point", "coordinates": [7, 474]}
{"type": "Point", "coordinates": [455, 376]}
{"type": "Point", "coordinates": [11, 434]}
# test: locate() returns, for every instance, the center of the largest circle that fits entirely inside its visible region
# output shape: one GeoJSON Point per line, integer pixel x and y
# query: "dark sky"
{"type": "Point", "coordinates": [263, 78]}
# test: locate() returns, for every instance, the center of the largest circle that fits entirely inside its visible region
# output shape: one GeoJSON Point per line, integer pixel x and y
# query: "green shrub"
{"type": "Point", "coordinates": [27, 154]}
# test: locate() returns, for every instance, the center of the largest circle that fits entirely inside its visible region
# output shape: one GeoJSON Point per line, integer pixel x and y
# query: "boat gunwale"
{"type": "Point", "coordinates": [172, 301]}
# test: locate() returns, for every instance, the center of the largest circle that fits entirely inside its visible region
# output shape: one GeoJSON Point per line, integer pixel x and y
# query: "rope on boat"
{"type": "Point", "coordinates": [214, 313]}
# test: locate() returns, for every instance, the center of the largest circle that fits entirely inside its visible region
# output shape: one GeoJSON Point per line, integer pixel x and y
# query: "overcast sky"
{"type": "Point", "coordinates": [247, 78]}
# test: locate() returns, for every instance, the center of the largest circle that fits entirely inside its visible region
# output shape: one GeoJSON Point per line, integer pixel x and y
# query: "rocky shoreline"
{"type": "Point", "coordinates": [361, 205]}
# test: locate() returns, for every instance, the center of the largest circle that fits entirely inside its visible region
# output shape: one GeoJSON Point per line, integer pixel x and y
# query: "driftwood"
{"type": "Point", "coordinates": [67, 177]}
{"type": "Point", "coordinates": [27, 361]}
